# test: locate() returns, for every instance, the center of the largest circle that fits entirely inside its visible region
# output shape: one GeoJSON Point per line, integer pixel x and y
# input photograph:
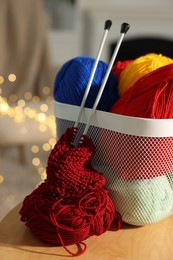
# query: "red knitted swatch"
{"type": "Point", "coordinates": [72, 204]}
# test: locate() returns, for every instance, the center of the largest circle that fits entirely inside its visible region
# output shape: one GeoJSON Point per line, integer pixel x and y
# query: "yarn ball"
{"type": "Point", "coordinates": [140, 67]}
{"type": "Point", "coordinates": [150, 97]}
{"type": "Point", "coordinates": [142, 202]}
{"type": "Point", "coordinates": [71, 81]}
{"type": "Point", "coordinates": [119, 66]}
{"type": "Point", "coordinates": [72, 204]}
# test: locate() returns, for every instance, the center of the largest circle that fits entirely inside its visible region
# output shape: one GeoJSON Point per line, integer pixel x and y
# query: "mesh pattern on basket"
{"type": "Point", "coordinates": [138, 170]}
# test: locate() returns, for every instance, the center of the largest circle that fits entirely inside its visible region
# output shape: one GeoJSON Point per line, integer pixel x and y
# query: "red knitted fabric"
{"type": "Point", "coordinates": [73, 168]}
{"type": "Point", "coordinates": [72, 204]}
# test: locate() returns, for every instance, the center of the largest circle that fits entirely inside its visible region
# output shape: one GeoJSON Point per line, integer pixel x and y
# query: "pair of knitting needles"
{"type": "Point", "coordinates": [124, 28]}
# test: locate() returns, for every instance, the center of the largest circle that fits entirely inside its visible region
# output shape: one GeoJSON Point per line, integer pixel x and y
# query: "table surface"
{"type": "Point", "coordinates": [152, 242]}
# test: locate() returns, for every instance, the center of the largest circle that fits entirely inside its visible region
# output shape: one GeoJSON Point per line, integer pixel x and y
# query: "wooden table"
{"type": "Point", "coordinates": [153, 242]}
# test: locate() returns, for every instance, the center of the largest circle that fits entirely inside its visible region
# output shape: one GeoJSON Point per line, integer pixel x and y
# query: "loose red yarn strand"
{"type": "Point", "coordinates": [62, 242]}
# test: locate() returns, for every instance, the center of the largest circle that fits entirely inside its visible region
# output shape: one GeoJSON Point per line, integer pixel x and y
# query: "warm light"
{"type": "Point", "coordinates": [42, 128]}
{"type": "Point", "coordinates": [18, 109]}
{"type": "Point", "coordinates": [1, 179]}
{"type": "Point", "coordinates": [19, 115]}
{"type": "Point", "coordinates": [41, 170]}
{"type": "Point", "coordinates": [12, 77]}
{"type": "Point", "coordinates": [22, 111]}
{"type": "Point", "coordinates": [52, 141]}
{"type": "Point", "coordinates": [36, 161]}
{"type": "Point", "coordinates": [3, 106]}
{"type": "Point", "coordinates": [1, 79]}
{"type": "Point", "coordinates": [21, 103]}
{"type": "Point", "coordinates": [31, 113]}
{"type": "Point", "coordinates": [13, 98]}
{"type": "Point", "coordinates": [35, 149]}
{"type": "Point", "coordinates": [43, 176]}
{"type": "Point", "coordinates": [35, 99]}
{"type": "Point", "coordinates": [49, 100]}
{"type": "Point", "coordinates": [46, 90]}
{"type": "Point", "coordinates": [11, 113]}
{"type": "Point", "coordinates": [46, 147]}
{"type": "Point", "coordinates": [41, 117]}
{"type": "Point", "coordinates": [52, 117]}
{"type": "Point", "coordinates": [28, 95]}
{"type": "Point", "coordinates": [51, 121]}
{"type": "Point", "coordinates": [44, 108]}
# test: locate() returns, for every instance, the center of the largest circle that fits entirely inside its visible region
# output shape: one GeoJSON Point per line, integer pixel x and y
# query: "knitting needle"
{"type": "Point", "coordinates": [107, 26]}
{"type": "Point", "coordinates": [124, 28]}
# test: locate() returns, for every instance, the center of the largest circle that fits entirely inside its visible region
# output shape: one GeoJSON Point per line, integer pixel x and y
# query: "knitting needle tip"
{"type": "Point", "coordinates": [124, 27]}
{"type": "Point", "coordinates": [108, 24]}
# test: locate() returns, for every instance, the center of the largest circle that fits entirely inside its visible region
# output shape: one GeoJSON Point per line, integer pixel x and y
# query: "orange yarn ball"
{"type": "Point", "coordinates": [140, 67]}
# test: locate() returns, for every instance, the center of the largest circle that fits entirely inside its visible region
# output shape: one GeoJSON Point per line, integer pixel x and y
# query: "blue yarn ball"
{"type": "Point", "coordinates": [71, 81]}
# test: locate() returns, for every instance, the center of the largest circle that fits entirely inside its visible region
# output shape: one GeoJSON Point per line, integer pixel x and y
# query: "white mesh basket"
{"type": "Point", "coordinates": [136, 157]}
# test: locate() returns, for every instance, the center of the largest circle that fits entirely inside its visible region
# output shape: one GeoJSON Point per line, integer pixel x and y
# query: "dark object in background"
{"type": "Point", "coordinates": [136, 47]}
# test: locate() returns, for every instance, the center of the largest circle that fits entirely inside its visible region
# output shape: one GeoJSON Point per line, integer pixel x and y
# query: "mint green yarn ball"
{"type": "Point", "coordinates": [142, 202]}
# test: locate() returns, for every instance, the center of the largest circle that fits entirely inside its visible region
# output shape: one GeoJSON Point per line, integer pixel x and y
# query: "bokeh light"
{"type": "Point", "coordinates": [35, 99]}
{"type": "Point", "coordinates": [1, 79]}
{"type": "Point", "coordinates": [46, 90]}
{"type": "Point", "coordinates": [28, 95]}
{"type": "Point", "coordinates": [12, 77]}
{"type": "Point", "coordinates": [21, 102]}
{"type": "Point", "coordinates": [1, 179]}
{"type": "Point", "coordinates": [44, 107]}
{"type": "Point", "coordinates": [35, 149]}
{"type": "Point", "coordinates": [46, 147]}
{"type": "Point", "coordinates": [36, 161]}
{"type": "Point", "coordinates": [42, 128]}
{"type": "Point", "coordinates": [41, 170]}
{"type": "Point", "coordinates": [13, 98]}
{"type": "Point", "coordinates": [20, 110]}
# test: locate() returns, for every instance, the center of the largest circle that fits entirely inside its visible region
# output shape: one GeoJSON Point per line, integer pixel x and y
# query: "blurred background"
{"type": "Point", "coordinates": [37, 38]}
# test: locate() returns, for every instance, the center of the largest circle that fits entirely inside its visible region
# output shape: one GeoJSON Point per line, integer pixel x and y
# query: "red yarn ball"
{"type": "Point", "coordinates": [65, 221]}
{"type": "Point", "coordinates": [72, 204]}
{"type": "Point", "coordinates": [119, 66]}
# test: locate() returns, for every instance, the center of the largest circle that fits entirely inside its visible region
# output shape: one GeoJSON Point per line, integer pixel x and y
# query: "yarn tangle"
{"type": "Point", "coordinates": [72, 204]}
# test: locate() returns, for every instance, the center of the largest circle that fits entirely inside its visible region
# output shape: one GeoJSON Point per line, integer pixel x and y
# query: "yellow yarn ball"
{"type": "Point", "coordinates": [140, 67]}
